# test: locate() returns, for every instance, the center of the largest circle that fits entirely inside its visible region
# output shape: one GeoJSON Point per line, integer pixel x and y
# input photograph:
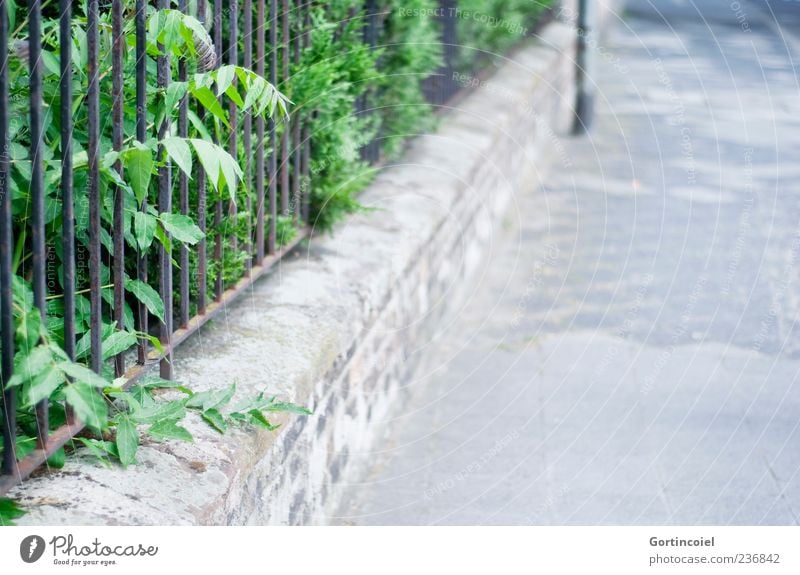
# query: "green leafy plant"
{"type": "Point", "coordinates": [9, 511]}
{"type": "Point", "coordinates": [334, 72]}
{"type": "Point", "coordinates": [489, 28]}
{"type": "Point", "coordinates": [42, 370]}
{"type": "Point", "coordinates": [411, 37]}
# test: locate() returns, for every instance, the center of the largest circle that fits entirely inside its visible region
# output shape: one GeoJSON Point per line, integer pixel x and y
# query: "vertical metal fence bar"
{"type": "Point", "coordinates": [305, 134]}
{"type": "Point", "coordinates": [67, 195]}
{"type": "Point", "coordinates": [93, 123]}
{"type": "Point", "coordinates": [297, 165]}
{"type": "Point", "coordinates": [247, 143]}
{"type": "Point", "coordinates": [9, 462]}
{"type": "Point", "coordinates": [452, 46]}
{"type": "Point", "coordinates": [202, 246]}
{"type": "Point", "coordinates": [371, 38]}
{"type": "Point", "coordinates": [360, 104]}
{"type": "Point", "coordinates": [67, 192]}
{"type": "Point", "coordinates": [448, 85]}
{"type": "Point", "coordinates": [141, 135]}
{"type": "Point", "coordinates": [285, 154]}
{"type": "Point", "coordinates": [218, 284]}
{"type": "Point", "coordinates": [260, 18]}
{"type": "Point", "coordinates": [233, 118]}
{"type": "Point", "coordinates": [183, 193]}
{"type": "Point", "coordinates": [273, 143]}
{"type": "Point", "coordinates": [584, 96]}
{"type": "Point", "coordinates": [165, 205]}
{"type": "Point", "coordinates": [117, 48]}
{"type": "Point", "coordinates": [37, 191]}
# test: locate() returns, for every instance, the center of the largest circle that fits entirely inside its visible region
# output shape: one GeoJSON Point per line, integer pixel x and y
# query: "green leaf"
{"type": "Point", "coordinates": [154, 341]}
{"type": "Point", "coordinates": [82, 374]}
{"type": "Point", "coordinates": [58, 459]}
{"type": "Point", "coordinates": [148, 296]}
{"type": "Point", "coordinates": [254, 92]}
{"type": "Point", "coordinates": [230, 171]}
{"type": "Point", "coordinates": [215, 419]}
{"type": "Point", "coordinates": [198, 125]}
{"type": "Point", "coordinates": [206, 400]}
{"type": "Point", "coordinates": [234, 95]}
{"type": "Point", "coordinates": [131, 403]}
{"type": "Point", "coordinates": [208, 155]}
{"type": "Point", "coordinates": [127, 440]}
{"type": "Point", "coordinates": [196, 28]}
{"type": "Point", "coordinates": [160, 411]}
{"type": "Point", "coordinates": [43, 385]}
{"type": "Point", "coordinates": [29, 330]}
{"type": "Point", "coordinates": [117, 342]}
{"type": "Point", "coordinates": [9, 511]}
{"type": "Point", "coordinates": [180, 153]}
{"type": "Point", "coordinates": [182, 228]}
{"type": "Point", "coordinates": [83, 347]}
{"type": "Point", "coordinates": [138, 162]}
{"type": "Point", "coordinates": [22, 293]}
{"type": "Point", "coordinates": [88, 404]}
{"type": "Point", "coordinates": [175, 92]}
{"type": "Point", "coordinates": [169, 429]}
{"type": "Point", "coordinates": [159, 383]}
{"type": "Point", "coordinates": [144, 227]}
{"type": "Point", "coordinates": [224, 76]}
{"type": "Point", "coordinates": [258, 418]}
{"type": "Point", "coordinates": [25, 446]}
{"type": "Point", "coordinates": [31, 365]}
{"type": "Point", "coordinates": [163, 238]}
{"type": "Point", "coordinates": [100, 449]}
{"type": "Point", "coordinates": [286, 407]}
{"type": "Point", "coordinates": [209, 101]}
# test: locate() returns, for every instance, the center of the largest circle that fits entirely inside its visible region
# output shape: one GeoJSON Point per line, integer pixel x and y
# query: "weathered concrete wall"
{"type": "Point", "coordinates": [338, 326]}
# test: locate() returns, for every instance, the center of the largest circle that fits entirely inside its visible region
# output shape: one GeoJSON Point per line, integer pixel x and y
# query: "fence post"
{"type": "Point", "coordinates": [9, 461]}
{"type": "Point", "coordinates": [584, 97]}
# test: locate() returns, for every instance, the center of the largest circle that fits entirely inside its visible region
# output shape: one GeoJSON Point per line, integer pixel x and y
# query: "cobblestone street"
{"type": "Point", "coordinates": [631, 355]}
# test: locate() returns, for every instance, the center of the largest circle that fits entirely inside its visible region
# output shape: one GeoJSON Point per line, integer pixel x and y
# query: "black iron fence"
{"type": "Point", "coordinates": [275, 171]}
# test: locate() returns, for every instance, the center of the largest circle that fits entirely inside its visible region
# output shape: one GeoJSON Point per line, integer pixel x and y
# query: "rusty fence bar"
{"type": "Point", "coordinates": [163, 71]}
{"type": "Point", "coordinates": [117, 49]}
{"type": "Point", "coordinates": [284, 78]}
{"type": "Point", "coordinates": [276, 157]}
{"type": "Point", "coordinates": [259, 179]}
{"type": "Point", "coordinates": [442, 86]}
{"type": "Point", "coordinates": [247, 129]}
{"type": "Point", "coordinates": [141, 317]}
{"type": "Point", "coordinates": [218, 247]}
{"type": "Point", "coordinates": [273, 137]}
{"type": "Point", "coordinates": [8, 466]}
{"type": "Point", "coordinates": [37, 192]}
{"type": "Point", "coordinates": [183, 192]}
{"type": "Point", "coordinates": [202, 190]}
{"type": "Point", "coordinates": [305, 130]}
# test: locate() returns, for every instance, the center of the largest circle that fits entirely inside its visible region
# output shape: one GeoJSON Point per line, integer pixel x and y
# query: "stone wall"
{"type": "Point", "coordinates": [339, 324]}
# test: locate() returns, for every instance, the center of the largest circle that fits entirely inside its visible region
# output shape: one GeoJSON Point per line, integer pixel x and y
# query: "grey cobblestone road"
{"type": "Point", "coordinates": [632, 356]}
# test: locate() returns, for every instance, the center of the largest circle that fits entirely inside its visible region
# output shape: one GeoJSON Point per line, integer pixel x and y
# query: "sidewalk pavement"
{"type": "Point", "coordinates": [632, 357]}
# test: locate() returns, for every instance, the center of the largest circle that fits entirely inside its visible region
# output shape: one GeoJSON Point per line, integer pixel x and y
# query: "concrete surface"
{"type": "Point", "coordinates": [632, 354]}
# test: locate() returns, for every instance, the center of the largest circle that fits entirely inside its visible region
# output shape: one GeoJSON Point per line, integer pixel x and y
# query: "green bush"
{"type": "Point", "coordinates": [412, 52]}
{"type": "Point", "coordinates": [491, 27]}
{"type": "Point", "coordinates": [335, 70]}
